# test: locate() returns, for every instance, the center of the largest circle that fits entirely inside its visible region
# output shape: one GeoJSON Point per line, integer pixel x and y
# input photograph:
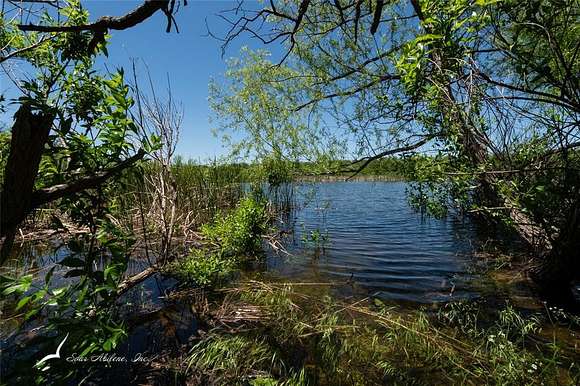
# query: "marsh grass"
{"type": "Point", "coordinates": [201, 190]}
{"type": "Point", "coordinates": [204, 190]}
{"type": "Point", "coordinates": [301, 330]}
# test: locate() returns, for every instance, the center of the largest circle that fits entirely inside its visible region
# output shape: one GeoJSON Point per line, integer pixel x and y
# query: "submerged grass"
{"type": "Point", "coordinates": [303, 338]}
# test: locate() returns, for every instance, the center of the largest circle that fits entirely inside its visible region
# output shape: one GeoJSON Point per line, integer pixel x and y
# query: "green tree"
{"type": "Point", "coordinates": [72, 130]}
{"type": "Point", "coordinates": [489, 87]}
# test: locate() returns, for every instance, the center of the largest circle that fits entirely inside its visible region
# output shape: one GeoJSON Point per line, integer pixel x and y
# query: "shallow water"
{"type": "Point", "coordinates": [361, 236]}
{"type": "Point", "coordinates": [375, 240]}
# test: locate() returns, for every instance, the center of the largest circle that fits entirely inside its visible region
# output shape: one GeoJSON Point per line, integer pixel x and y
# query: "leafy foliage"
{"type": "Point", "coordinates": [239, 232]}
{"type": "Point", "coordinates": [92, 131]}
{"type": "Point", "coordinates": [203, 268]}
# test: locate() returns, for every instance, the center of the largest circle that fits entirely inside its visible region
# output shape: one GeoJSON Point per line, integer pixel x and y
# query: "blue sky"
{"type": "Point", "coordinates": [188, 58]}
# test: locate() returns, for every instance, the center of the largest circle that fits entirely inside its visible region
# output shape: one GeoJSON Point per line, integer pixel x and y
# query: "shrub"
{"type": "Point", "coordinates": [239, 233]}
{"type": "Point", "coordinates": [202, 268]}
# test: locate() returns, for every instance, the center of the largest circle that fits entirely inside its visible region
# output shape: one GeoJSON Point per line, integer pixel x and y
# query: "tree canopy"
{"type": "Point", "coordinates": [488, 88]}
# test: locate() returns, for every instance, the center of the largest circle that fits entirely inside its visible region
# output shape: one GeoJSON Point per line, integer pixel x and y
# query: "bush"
{"type": "Point", "coordinates": [239, 233]}
{"type": "Point", "coordinates": [203, 269]}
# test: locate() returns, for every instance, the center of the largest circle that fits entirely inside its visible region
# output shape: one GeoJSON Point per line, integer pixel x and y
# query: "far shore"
{"type": "Point", "coordinates": [337, 178]}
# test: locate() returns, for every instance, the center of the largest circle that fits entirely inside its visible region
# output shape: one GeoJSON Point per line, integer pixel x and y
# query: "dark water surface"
{"type": "Point", "coordinates": [376, 240]}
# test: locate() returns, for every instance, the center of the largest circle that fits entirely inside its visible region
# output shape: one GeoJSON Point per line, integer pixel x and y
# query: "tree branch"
{"type": "Point", "coordinates": [350, 92]}
{"type": "Point", "coordinates": [43, 196]}
{"type": "Point", "coordinates": [136, 16]}
{"type": "Point", "coordinates": [377, 16]}
{"type": "Point", "coordinates": [551, 98]}
{"type": "Point", "coordinates": [368, 160]}
{"type": "Point", "coordinates": [24, 49]}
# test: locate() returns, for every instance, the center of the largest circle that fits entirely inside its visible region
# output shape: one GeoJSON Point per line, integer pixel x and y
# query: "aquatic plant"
{"type": "Point", "coordinates": [233, 358]}
{"type": "Point", "coordinates": [239, 233]}
{"type": "Point", "coordinates": [230, 240]}
{"type": "Point", "coordinates": [203, 268]}
{"type": "Point", "coordinates": [315, 238]}
{"type": "Point", "coordinates": [333, 342]}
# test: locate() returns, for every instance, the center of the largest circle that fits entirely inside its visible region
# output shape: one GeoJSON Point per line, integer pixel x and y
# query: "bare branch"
{"type": "Point", "coordinates": [377, 16]}
{"type": "Point", "coordinates": [350, 92]}
{"type": "Point", "coordinates": [134, 17]}
{"type": "Point", "coordinates": [369, 159]}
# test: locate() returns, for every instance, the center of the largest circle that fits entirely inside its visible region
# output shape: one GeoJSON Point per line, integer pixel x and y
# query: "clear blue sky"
{"type": "Point", "coordinates": [189, 58]}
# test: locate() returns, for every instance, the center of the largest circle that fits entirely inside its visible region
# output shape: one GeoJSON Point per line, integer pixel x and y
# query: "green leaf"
{"type": "Point", "coordinates": [75, 273]}
{"type": "Point", "coordinates": [428, 38]}
{"type": "Point", "coordinates": [75, 246]}
{"type": "Point", "coordinates": [49, 275]}
{"type": "Point", "coordinates": [22, 285]}
{"type": "Point", "coordinates": [88, 350]}
{"type": "Point", "coordinates": [24, 301]}
{"type": "Point", "coordinates": [31, 313]}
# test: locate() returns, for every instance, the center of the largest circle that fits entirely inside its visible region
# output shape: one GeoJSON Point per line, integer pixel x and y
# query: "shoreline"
{"type": "Point", "coordinates": [333, 178]}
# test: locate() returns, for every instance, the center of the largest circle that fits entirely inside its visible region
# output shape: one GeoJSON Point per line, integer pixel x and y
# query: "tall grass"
{"type": "Point", "coordinates": [203, 190]}
{"type": "Point", "coordinates": [199, 193]}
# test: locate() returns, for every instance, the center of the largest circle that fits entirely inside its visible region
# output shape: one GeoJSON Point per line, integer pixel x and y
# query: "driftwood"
{"type": "Point", "coordinates": [136, 279]}
{"type": "Point", "coordinates": [46, 234]}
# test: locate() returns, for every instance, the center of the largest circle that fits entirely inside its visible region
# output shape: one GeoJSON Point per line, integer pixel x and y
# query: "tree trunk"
{"type": "Point", "coordinates": [559, 258]}
{"type": "Point", "coordinates": [561, 265]}
{"type": "Point", "coordinates": [29, 135]}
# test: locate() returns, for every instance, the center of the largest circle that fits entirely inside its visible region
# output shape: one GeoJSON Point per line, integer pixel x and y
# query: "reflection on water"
{"type": "Point", "coordinates": [376, 240]}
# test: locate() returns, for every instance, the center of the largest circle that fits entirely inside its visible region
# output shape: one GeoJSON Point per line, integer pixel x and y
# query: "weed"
{"type": "Point", "coordinates": [315, 238]}
{"type": "Point", "coordinates": [233, 358]}
{"type": "Point", "coordinates": [334, 343]}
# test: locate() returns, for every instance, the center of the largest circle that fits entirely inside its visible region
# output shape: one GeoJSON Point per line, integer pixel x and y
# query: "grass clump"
{"type": "Point", "coordinates": [229, 358]}
{"type": "Point", "coordinates": [240, 232]}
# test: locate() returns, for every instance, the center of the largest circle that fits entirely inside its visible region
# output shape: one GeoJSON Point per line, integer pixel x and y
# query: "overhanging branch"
{"type": "Point", "coordinates": [46, 195]}
{"type": "Point", "coordinates": [131, 19]}
{"type": "Point", "coordinates": [23, 50]}
{"type": "Point", "coordinates": [367, 160]}
{"type": "Point", "coordinates": [350, 92]}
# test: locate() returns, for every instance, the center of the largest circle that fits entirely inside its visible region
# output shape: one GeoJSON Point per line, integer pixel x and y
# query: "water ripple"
{"type": "Point", "coordinates": [378, 242]}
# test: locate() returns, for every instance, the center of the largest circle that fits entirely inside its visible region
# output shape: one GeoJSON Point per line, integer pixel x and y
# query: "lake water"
{"type": "Point", "coordinates": [362, 237]}
{"type": "Point", "coordinates": [375, 240]}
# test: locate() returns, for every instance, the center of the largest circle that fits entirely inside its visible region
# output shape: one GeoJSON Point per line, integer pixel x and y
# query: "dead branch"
{"type": "Point", "coordinates": [131, 19]}
{"type": "Point", "coordinates": [136, 279]}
